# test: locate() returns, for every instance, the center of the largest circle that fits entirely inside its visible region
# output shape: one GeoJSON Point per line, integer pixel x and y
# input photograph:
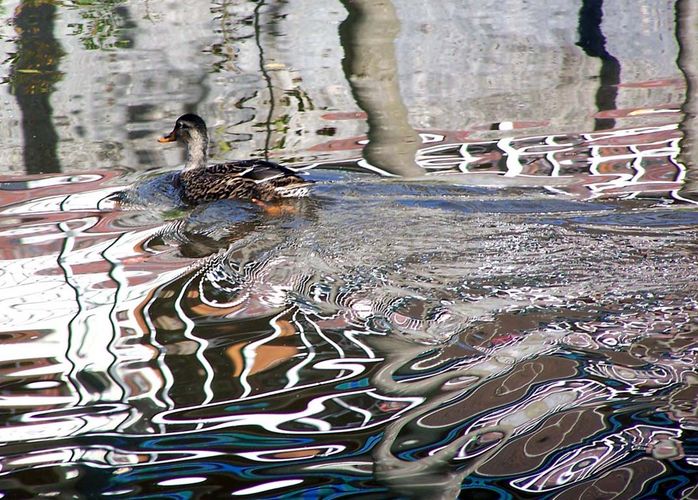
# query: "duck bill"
{"type": "Point", "coordinates": [168, 138]}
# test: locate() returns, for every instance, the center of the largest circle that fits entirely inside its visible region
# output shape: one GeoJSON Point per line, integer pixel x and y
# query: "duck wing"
{"type": "Point", "coordinates": [254, 170]}
{"type": "Point", "coordinates": [245, 179]}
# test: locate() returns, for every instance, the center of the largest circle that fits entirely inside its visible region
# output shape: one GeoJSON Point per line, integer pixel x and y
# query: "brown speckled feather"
{"type": "Point", "coordinates": [245, 179]}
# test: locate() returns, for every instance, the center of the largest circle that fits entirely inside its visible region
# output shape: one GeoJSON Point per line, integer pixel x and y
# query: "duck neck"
{"type": "Point", "coordinates": [196, 155]}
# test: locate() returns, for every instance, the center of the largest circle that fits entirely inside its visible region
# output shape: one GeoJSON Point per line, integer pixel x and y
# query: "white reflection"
{"type": "Point", "coordinates": [271, 485]}
{"type": "Point", "coordinates": [181, 481]}
{"type": "Point", "coordinates": [299, 453]}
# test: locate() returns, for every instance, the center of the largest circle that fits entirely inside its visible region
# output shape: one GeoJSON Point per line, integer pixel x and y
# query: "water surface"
{"type": "Point", "coordinates": [495, 298]}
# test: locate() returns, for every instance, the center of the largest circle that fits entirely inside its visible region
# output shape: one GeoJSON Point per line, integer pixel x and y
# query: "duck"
{"type": "Point", "coordinates": [259, 181]}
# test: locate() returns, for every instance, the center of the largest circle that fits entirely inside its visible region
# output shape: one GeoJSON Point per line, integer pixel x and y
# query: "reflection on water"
{"type": "Point", "coordinates": [593, 42]}
{"type": "Point", "coordinates": [519, 319]}
{"type": "Point", "coordinates": [626, 163]}
{"type": "Point", "coordinates": [33, 77]}
{"type": "Point", "coordinates": [368, 36]}
{"type": "Point", "coordinates": [339, 351]}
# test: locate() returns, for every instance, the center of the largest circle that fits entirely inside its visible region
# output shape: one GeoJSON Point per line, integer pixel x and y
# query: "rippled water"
{"type": "Point", "coordinates": [511, 314]}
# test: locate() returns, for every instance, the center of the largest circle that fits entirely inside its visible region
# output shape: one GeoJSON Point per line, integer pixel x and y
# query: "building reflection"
{"type": "Point", "coordinates": [622, 163]}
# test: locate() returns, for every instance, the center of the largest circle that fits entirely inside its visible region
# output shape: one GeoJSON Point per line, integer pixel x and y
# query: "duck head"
{"type": "Point", "coordinates": [190, 130]}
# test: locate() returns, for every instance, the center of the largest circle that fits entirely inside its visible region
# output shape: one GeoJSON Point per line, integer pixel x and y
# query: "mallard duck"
{"type": "Point", "coordinates": [255, 180]}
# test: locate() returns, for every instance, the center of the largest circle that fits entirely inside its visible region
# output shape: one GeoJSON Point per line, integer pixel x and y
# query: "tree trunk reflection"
{"type": "Point", "coordinates": [687, 38]}
{"type": "Point", "coordinates": [33, 77]}
{"type": "Point", "coordinates": [593, 42]}
{"type": "Point", "coordinates": [370, 66]}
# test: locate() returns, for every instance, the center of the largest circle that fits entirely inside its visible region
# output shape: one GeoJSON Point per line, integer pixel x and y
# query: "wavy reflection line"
{"type": "Point", "coordinates": [249, 353]}
{"type": "Point", "coordinates": [551, 156]}
{"type": "Point", "coordinates": [101, 456]}
{"type": "Point", "coordinates": [355, 366]}
{"type": "Point", "coordinates": [82, 354]}
{"type": "Point", "coordinates": [273, 422]}
{"type": "Point", "coordinates": [125, 242]}
{"type": "Point", "coordinates": [88, 364]}
{"type": "Point", "coordinates": [266, 487]}
{"type": "Point", "coordinates": [592, 459]}
{"type": "Point", "coordinates": [277, 454]}
{"type": "Point", "coordinates": [196, 270]}
{"type": "Point", "coordinates": [75, 202]}
{"type": "Point", "coordinates": [292, 374]}
{"type": "Point", "coordinates": [277, 324]}
{"type": "Point", "coordinates": [433, 474]}
{"type": "Point", "coordinates": [202, 344]}
{"type": "Point", "coordinates": [54, 425]}
{"type": "Point", "coordinates": [545, 401]}
{"type": "Point", "coordinates": [365, 413]}
{"type": "Point", "coordinates": [321, 334]}
{"type": "Point", "coordinates": [118, 276]}
{"type": "Point", "coordinates": [118, 347]}
{"type": "Point", "coordinates": [77, 325]}
{"type": "Point", "coordinates": [166, 373]}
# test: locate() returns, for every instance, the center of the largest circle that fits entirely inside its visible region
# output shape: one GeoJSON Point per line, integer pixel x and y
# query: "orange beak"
{"type": "Point", "coordinates": [168, 138]}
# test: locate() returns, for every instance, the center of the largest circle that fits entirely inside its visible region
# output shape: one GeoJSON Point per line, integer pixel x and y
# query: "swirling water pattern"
{"type": "Point", "coordinates": [517, 322]}
{"type": "Point", "coordinates": [351, 346]}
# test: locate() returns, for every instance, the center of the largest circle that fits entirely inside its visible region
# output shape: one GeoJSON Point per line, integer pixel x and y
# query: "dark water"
{"type": "Point", "coordinates": [495, 298]}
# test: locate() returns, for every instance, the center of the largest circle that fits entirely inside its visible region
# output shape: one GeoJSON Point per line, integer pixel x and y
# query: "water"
{"type": "Point", "coordinates": [510, 314]}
